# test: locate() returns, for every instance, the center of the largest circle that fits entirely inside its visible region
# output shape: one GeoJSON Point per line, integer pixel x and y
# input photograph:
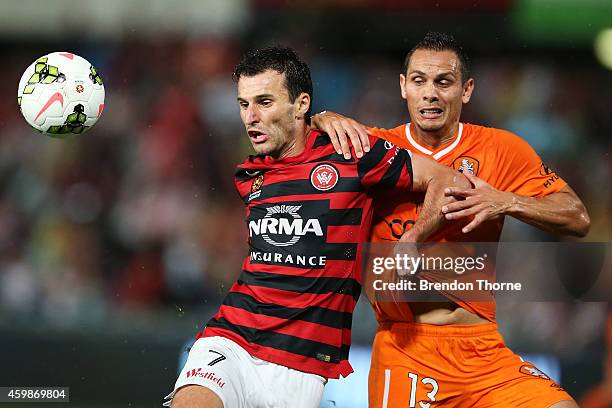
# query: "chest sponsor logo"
{"type": "Point", "coordinates": [283, 226]}
{"type": "Point", "coordinates": [324, 177]}
{"type": "Point", "coordinates": [399, 228]}
{"type": "Point", "coordinates": [467, 164]}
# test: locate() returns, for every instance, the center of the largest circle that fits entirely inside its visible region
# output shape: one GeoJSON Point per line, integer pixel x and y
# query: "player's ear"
{"type": "Point", "coordinates": [468, 88]}
{"type": "Point", "coordinates": [301, 105]}
{"type": "Point", "coordinates": [402, 85]}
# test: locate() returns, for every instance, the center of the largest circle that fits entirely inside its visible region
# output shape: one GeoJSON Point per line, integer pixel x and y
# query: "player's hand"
{"type": "Point", "coordinates": [340, 129]}
{"type": "Point", "coordinates": [483, 202]}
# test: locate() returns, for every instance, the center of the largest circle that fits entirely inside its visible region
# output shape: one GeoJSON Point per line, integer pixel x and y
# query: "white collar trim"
{"type": "Point", "coordinates": [428, 152]}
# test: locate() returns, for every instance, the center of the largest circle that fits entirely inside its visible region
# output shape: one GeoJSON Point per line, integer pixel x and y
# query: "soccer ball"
{"type": "Point", "coordinates": [61, 94]}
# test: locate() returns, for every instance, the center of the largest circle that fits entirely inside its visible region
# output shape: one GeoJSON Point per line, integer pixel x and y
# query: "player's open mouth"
{"type": "Point", "coordinates": [257, 136]}
{"type": "Point", "coordinates": [431, 113]}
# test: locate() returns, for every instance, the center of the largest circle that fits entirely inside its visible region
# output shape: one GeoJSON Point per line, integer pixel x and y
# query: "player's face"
{"type": "Point", "coordinates": [267, 113]}
{"type": "Point", "coordinates": [434, 90]}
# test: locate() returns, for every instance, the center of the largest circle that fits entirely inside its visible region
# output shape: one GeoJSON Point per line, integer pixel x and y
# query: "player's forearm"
{"type": "Point", "coordinates": [430, 217]}
{"type": "Point", "coordinates": [558, 213]}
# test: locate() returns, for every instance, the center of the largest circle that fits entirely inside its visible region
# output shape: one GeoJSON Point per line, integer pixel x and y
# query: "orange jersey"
{"type": "Point", "coordinates": [500, 158]}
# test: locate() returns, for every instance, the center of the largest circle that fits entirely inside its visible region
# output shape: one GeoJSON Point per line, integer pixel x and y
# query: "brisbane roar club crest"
{"type": "Point", "coordinates": [466, 164]}
{"type": "Point", "coordinates": [324, 177]}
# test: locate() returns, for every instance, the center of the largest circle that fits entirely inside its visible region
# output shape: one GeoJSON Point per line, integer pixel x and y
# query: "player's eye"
{"type": "Point", "coordinates": [243, 105]}
{"type": "Point", "coordinates": [418, 80]}
{"type": "Point", "coordinates": [266, 102]}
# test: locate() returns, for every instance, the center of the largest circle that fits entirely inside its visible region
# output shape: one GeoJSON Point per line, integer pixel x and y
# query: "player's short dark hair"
{"type": "Point", "coordinates": [435, 41]}
{"type": "Point", "coordinates": [283, 60]}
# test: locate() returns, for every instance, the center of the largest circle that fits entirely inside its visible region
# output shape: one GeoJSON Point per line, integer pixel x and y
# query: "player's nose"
{"type": "Point", "coordinates": [430, 92]}
{"type": "Point", "coordinates": [251, 115]}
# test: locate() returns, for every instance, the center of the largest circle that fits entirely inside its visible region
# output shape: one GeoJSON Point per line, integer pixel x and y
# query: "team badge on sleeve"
{"type": "Point", "coordinates": [466, 164]}
{"type": "Point", "coordinates": [324, 177]}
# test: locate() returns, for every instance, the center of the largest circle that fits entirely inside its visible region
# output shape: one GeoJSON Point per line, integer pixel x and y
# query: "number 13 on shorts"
{"type": "Point", "coordinates": [431, 389]}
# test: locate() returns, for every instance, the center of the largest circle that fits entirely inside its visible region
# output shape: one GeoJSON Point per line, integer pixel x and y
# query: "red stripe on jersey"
{"type": "Point", "coordinates": [339, 303]}
{"type": "Point", "coordinates": [346, 170]}
{"type": "Point", "coordinates": [333, 269]}
{"type": "Point", "coordinates": [343, 233]}
{"type": "Point", "coordinates": [305, 330]}
{"type": "Point", "coordinates": [346, 337]}
{"type": "Point", "coordinates": [337, 201]}
{"type": "Point", "coordinates": [387, 163]}
{"type": "Point", "coordinates": [282, 357]}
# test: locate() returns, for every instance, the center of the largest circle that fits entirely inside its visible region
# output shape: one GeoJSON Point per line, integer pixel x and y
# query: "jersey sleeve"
{"type": "Point", "coordinates": [385, 166]}
{"type": "Point", "coordinates": [394, 136]}
{"type": "Point", "coordinates": [521, 170]}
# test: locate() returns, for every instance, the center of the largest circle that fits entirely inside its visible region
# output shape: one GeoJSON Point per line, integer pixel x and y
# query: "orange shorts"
{"type": "Point", "coordinates": [420, 365]}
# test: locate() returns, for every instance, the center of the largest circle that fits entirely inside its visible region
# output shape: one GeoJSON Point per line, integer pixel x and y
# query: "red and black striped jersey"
{"type": "Point", "coordinates": [306, 216]}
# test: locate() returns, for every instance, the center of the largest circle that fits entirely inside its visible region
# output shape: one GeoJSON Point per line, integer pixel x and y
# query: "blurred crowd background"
{"type": "Point", "coordinates": [118, 244]}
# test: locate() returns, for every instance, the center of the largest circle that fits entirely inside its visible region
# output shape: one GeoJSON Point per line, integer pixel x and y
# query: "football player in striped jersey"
{"type": "Point", "coordinates": [284, 328]}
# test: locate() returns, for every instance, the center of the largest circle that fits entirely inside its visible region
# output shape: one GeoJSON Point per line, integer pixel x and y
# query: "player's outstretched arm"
{"type": "Point", "coordinates": [340, 129]}
{"type": "Point", "coordinates": [433, 179]}
{"type": "Point", "coordinates": [559, 213]}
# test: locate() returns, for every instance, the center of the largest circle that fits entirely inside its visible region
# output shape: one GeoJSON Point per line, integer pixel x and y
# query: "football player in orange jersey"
{"type": "Point", "coordinates": [450, 353]}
